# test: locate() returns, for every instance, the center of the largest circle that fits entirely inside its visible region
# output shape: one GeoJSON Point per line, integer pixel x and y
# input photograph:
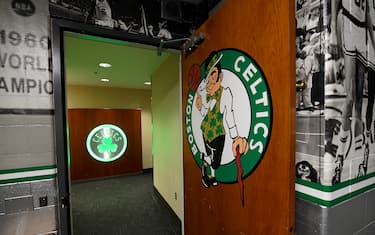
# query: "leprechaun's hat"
{"type": "Point", "coordinates": [213, 59]}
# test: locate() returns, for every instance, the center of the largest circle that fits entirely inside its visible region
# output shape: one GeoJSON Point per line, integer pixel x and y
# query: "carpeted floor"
{"type": "Point", "coordinates": [126, 205]}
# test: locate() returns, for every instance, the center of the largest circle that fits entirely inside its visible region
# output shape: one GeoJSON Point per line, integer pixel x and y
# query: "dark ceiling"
{"type": "Point", "coordinates": [179, 17]}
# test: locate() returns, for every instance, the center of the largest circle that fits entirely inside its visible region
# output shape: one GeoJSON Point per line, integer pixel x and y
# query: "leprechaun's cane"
{"type": "Point", "coordinates": [239, 175]}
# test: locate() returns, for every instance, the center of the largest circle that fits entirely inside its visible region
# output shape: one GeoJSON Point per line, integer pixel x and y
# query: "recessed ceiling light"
{"type": "Point", "coordinates": [147, 83]}
{"type": "Point", "coordinates": [104, 80]}
{"type": "Point", "coordinates": [105, 65]}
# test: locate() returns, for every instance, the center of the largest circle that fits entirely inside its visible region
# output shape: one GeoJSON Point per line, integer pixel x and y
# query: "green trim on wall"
{"type": "Point", "coordinates": [335, 187]}
{"type": "Point", "coordinates": [34, 168]}
{"type": "Point", "coordinates": [33, 178]}
{"type": "Point", "coordinates": [337, 200]}
{"type": "Point", "coordinates": [312, 199]}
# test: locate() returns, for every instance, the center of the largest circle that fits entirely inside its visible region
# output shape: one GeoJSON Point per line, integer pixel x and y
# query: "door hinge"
{"type": "Point", "coordinates": [64, 202]}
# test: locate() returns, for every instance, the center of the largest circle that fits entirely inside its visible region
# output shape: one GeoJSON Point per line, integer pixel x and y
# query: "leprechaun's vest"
{"type": "Point", "coordinates": [212, 124]}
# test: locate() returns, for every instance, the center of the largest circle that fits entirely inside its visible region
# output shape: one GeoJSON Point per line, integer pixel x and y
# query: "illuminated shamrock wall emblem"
{"type": "Point", "coordinates": [106, 143]}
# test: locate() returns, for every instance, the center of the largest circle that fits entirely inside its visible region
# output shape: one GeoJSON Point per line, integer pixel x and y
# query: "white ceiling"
{"type": "Point", "coordinates": [132, 64]}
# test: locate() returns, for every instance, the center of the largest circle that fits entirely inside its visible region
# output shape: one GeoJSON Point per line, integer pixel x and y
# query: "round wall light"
{"type": "Point", "coordinates": [106, 143]}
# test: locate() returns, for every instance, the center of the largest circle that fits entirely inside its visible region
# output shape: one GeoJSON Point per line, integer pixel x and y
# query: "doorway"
{"type": "Point", "coordinates": [91, 92]}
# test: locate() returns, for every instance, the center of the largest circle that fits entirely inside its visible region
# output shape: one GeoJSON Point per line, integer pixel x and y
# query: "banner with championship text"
{"type": "Point", "coordinates": [25, 72]}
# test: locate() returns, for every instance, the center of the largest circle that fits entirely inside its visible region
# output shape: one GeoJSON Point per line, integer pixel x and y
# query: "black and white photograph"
{"type": "Point", "coordinates": [309, 90]}
{"type": "Point", "coordinates": [137, 17]}
{"type": "Point", "coordinates": [349, 79]}
{"type": "Point", "coordinates": [346, 55]}
{"type": "Point", "coordinates": [309, 53]}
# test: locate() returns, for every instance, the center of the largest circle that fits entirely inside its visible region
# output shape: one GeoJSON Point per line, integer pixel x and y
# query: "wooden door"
{"type": "Point", "coordinates": [254, 42]}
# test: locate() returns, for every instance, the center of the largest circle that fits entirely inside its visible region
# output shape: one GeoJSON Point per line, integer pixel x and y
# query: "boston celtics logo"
{"type": "Point", "coordinates": [106, 143]}
{"type": "Point", "coordinates": [228, 116]}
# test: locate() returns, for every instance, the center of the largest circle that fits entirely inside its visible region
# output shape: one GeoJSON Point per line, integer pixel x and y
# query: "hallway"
{"type": "Point", "coordinates": [124, 205]}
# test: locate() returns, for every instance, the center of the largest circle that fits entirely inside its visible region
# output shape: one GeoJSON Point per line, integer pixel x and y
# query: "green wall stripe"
{"type": "Point", "coordinates": [34, 168]}
{"type": "Point", "coordinates": [312, 199]}
{"type": "Point", "coordinates": [335, 187]}
{"type": "Point", "coordinates": [337, 200]}
{"type": "Point", "coordinates": [34, 178]}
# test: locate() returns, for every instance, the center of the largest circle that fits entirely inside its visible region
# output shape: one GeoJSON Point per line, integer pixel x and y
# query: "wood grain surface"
{"type": "Point", "coordinates": [82, 121]}
{"type": "Point", "coordinates": [266, 31]}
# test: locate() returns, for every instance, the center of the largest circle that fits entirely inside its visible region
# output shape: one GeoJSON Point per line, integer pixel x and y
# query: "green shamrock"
{"type": "Point", "coordinates": [219, 129]}
{"type": "Point", "coordinates": [107, 146]}
{"type": "Point", "coordinates": [213, 123]}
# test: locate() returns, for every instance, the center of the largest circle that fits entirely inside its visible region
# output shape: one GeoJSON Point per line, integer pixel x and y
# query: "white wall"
{"type": "Point", "coordinates": [117, 98]}
{"type": "Point", "coordinates": [167, 133]}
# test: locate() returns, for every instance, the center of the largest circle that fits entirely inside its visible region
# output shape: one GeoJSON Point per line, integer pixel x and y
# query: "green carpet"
{"type": "Point", "coordinates": [126, 205]}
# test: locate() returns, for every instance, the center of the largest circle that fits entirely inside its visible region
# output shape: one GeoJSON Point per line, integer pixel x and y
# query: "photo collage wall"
{"type": "Point", "coordinates": [136, 17]}
{"type": "Point", "coordinates": [335, 60]}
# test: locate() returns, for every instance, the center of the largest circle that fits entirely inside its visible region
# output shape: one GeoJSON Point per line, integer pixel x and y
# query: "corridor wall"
{"type": "Point", "coordinates": [117, 98]}
{"type": "Point", "coordinates": [334, 139]}
{"type": "Point", "coordinates": [27, 155]}
{"type": "Point", "coordinates": [167, 133]}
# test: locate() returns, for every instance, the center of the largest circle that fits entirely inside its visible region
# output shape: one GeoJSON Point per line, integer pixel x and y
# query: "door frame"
{"type": "Point", "coordinates": [58, 27]}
